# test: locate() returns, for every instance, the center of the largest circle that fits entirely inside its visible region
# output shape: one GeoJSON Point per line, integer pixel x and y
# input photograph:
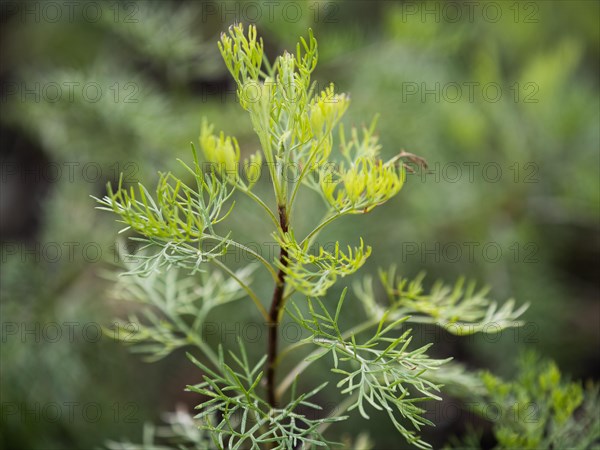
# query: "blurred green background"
{"type": "Point", "coordinates": [501, 98]}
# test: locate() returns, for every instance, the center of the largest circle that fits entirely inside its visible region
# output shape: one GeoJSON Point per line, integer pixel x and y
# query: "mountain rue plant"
{"type": "Point", "coordinates": [181, 275]}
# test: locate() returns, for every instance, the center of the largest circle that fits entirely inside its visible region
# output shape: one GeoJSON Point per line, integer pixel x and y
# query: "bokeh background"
{"type": "Point", "coordinates": [501, 98]}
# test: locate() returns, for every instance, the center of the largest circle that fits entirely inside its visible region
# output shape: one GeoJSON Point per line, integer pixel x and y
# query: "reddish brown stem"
{"type": "Point", "coordinates": [274, 313]}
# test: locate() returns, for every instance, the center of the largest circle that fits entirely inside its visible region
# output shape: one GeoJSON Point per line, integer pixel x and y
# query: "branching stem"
{"type": "Point", "coordinates": [244, 286]}
{"type": "Point", "coordinates": [258, 200]}
{"type": "Point", "coordinates": [313, 234]}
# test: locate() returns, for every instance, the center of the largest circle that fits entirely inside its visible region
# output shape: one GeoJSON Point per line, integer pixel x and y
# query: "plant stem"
{"type": "Point", "coordinates": [258, 200]}
{"type": "Point", "coordinates": [274, 314]}
{"type": "Point", "coordinates": [308, 239]}
{"type": "Point", "coordinates": [244, 286]}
